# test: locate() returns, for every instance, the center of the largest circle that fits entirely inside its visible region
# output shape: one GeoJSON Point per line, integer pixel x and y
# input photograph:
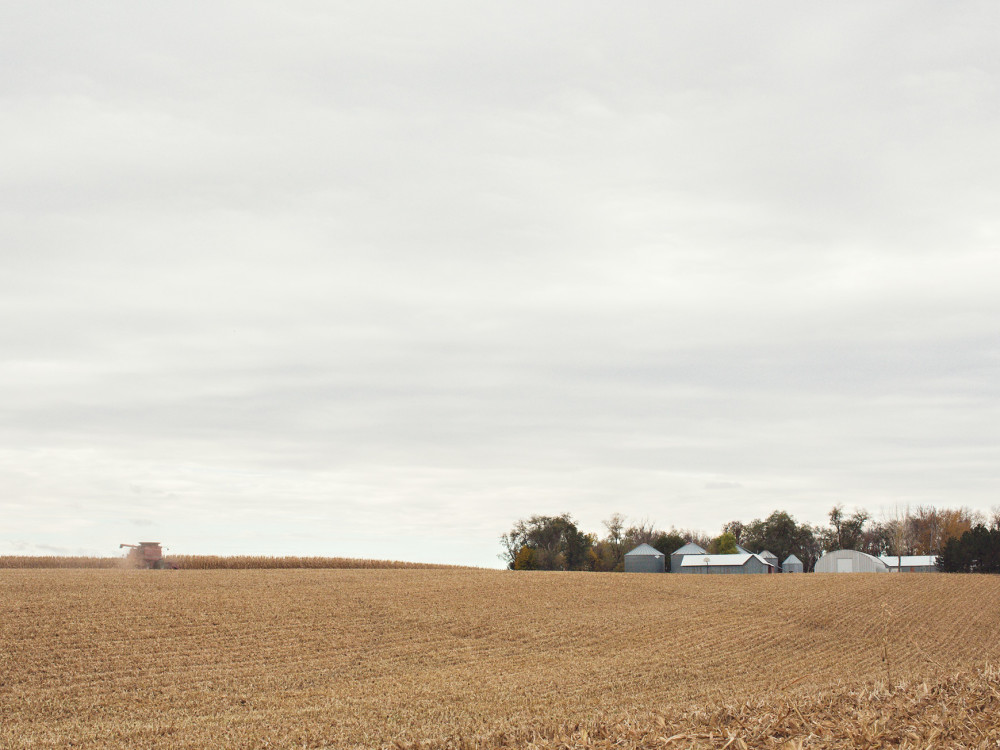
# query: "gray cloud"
{"type": "Point", "coordinates": [332, 279]}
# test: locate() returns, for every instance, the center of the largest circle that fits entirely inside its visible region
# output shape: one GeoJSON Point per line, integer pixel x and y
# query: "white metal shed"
{"type": "Point", "coordinates": [910, 563]}
{"type": "Point", "coordinates": [849, 561]}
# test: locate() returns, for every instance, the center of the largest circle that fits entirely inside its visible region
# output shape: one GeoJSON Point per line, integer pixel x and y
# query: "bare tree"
{"type": "Point", "coordinates": [615, 525]}
{"type": "Point", "coordinates": [900, 527]}
{"type": "Point", "coordinates": [927, 523]}
{"type": "Point", "coordinates": [847, 531]}
{"type": "Point", "coordinates": [644, 532]}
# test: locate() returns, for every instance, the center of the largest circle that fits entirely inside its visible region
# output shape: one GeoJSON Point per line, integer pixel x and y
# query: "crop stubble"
{"type": "Point", "coordinates": [342, 658]}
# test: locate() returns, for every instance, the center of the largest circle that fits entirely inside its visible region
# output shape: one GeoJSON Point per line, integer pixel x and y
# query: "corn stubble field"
{"type": "Point", "coordinates": [489, 659]}
{"type": "Point", "coordinates": [214, 562]}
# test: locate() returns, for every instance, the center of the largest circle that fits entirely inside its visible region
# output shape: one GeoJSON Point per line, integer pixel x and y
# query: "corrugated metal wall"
{"type": "Point", "coordinates": [753, 565]}
{"type": "Point", "coordinates": [859, 562]}
{"type": "Point", "coordinates": [644, 564]}
{"type": "Point", "coordinates": [675, 563]}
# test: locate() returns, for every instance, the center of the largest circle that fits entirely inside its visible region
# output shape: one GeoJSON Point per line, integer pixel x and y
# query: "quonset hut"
{"type": "Point", "coordinates": [645, 559]}
{"type": "Point", "coordinates": [849, 561]}
{"type": "Point", "coordinates": [678, 554]}
{"type": "Point", "coordinates": [792, 564]}
{"type": "Point", "coordinates": [708, 564]}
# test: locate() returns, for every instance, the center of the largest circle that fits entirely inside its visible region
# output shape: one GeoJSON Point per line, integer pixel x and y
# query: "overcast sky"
{"type": "Point", "coordinates": [378, 279]}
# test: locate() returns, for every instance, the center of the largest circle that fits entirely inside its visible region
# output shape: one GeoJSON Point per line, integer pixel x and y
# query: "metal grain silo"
{"type": "Point", "coordinates": [645, 559]}
{"type": "Point", "coordinates": [678, 555]}
{"type": "Point", "coordinates": [792, 564]}
{"type": "Point", "coordinates": [771, 559]}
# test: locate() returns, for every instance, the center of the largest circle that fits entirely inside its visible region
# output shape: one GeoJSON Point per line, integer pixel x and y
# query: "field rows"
{"type": "Point", "coordinates": [215, 562]}
{"type": "Point", "coordinates": [342, 658]}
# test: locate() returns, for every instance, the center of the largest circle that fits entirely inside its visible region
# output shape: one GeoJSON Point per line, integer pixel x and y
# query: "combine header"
{"type": "Point", "coordinates": [147, 556]}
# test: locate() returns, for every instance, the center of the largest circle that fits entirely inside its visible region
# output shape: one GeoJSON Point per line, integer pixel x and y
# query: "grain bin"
{"type": "Point", "coordinates": [678, 555]}
{"type": "Point", "coordinates": [645, 559]}
{"type": "Point", "coordinates": [771, 559]}
{"type": "Point", "coordinates": [792, 564]}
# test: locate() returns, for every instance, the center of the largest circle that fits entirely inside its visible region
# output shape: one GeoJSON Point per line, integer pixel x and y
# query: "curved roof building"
{"type": "Point", "coordinates": [849, 561]}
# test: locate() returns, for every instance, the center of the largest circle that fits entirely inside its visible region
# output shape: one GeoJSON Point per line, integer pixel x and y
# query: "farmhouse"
{"type": "Point", "coordinates": [792, 564]}
{"type": "Point", "coordinates": [738, 563]}
{"type": "Point", "coordinates": [910, 563]}
{"type": "Point", "coordinates": [645, 559]}
{"type": "Point", "coordinates": [850, 561]}
{"type": "Point", "coordinates": [678, 554]}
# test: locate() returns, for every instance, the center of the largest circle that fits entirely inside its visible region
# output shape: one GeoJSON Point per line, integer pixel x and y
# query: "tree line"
{"type": "Point", "coordinates": [976, 551]}
{"type": "Point", "coordinates": [557, 543]}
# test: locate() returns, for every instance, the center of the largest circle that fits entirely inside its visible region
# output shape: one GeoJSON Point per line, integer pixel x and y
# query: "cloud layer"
{"type": "Point", "coordinates": [378, 281]}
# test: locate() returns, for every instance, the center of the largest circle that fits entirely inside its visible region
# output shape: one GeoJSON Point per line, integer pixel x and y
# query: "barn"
{"type": "Point", "coordinates": [849, 561]}
{"type": "Point", "coordinates": [910, 563]}
{"type": "Point", "coordinates": [792, 564]}
{"type": "Point", "coordinates": [645, 559]}
{"type": "Point", "coordinates": [739, 563]}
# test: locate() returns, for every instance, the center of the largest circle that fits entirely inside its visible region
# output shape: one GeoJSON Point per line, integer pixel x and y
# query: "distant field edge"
{"type": "Point", "coordinates": [219, 562]}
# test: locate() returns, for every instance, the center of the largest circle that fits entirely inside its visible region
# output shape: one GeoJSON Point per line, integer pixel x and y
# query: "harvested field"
{"type": "Point", "coordinates": [217, 562]}
{"type": "Point", "coordinates": [345, 658]}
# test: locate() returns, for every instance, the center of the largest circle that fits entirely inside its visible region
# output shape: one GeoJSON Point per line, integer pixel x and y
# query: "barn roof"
{"type": "Point", "coordinates": [743, 550]}
{"type": "Point", "coordinates": [792, 559]}
{"type": "Point", "coordinates": [699, 561]}
{"type": "Point", "coordinates": [689, 549]}
{"type": "Point", "coordinates": [909, 561]}
{"type": "Point", "coordinates": [645, 549]}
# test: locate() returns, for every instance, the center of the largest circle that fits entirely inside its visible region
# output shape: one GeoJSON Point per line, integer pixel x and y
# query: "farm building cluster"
{"type": "Point", "coordinates": [691, 558]}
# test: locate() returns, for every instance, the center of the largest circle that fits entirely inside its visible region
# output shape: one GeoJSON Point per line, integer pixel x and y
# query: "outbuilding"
{"type": "Point", "coordinates": [910, 563]}
{"type": "Point", "coordinates": [792, 564]}
{"type": "Point", "coordinates": [771, 559]}
{"type": "Point", "coordinates": [678, 555]}
{"type": "Point", "coordinates": [849, 561]}
{"type": "Point", "coordinates": [708, 564]}
{"type": "Point", "coordinates": [645, 559]}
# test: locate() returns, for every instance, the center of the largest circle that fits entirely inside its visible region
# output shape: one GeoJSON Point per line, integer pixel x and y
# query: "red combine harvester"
{"type": "Point", "coordinates": [148, 556]}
